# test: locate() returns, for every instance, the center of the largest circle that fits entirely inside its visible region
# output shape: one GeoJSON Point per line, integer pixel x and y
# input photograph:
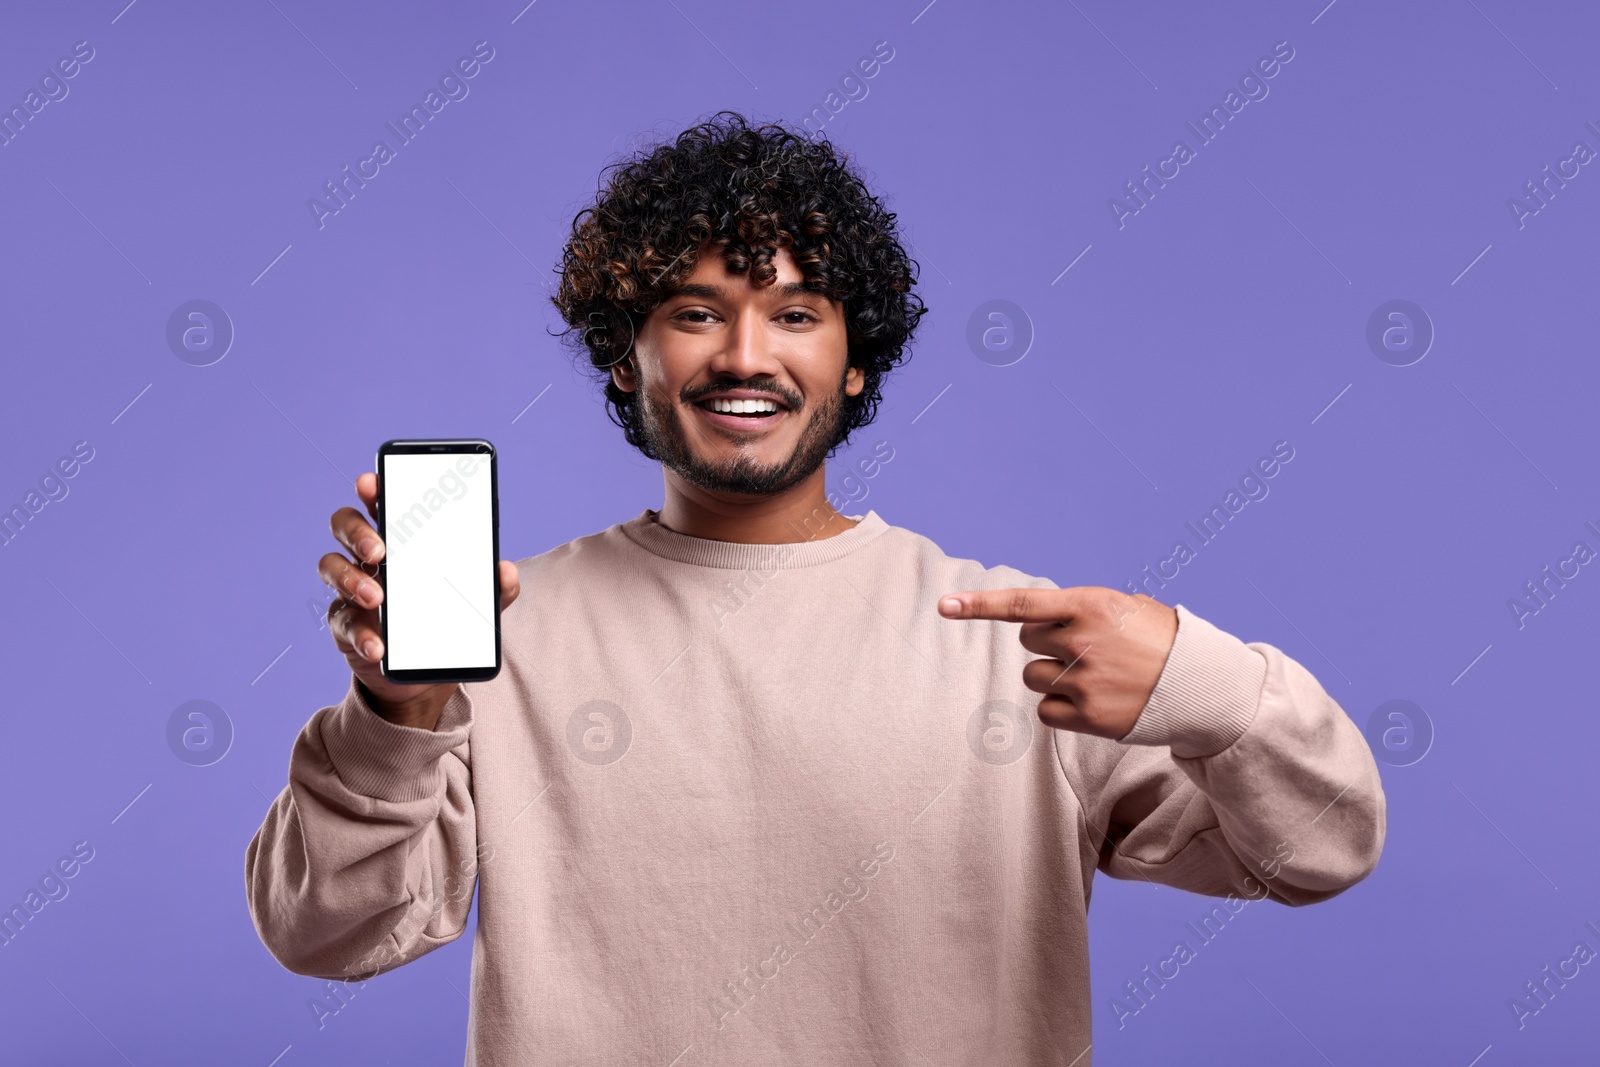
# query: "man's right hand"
{"type": "Point", "coordinates": [353, 614]}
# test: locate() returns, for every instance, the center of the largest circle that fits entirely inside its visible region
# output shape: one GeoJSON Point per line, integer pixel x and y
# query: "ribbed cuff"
{"type": "Point", "coordinates": [380, 759]}
{"type": "Point", "coordinates": [1207, 694]}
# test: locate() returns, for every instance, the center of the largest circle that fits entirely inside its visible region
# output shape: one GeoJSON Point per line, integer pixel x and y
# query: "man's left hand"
{"type": "Point", "coordinates": [1104, 649]}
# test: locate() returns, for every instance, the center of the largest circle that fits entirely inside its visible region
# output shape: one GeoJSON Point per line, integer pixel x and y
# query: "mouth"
{"type": "Point", "coordinates": [746, 416]}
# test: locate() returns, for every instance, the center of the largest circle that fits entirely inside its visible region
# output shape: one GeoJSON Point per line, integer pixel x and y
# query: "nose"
{"type": "Point", "coordinates": [746, 350]}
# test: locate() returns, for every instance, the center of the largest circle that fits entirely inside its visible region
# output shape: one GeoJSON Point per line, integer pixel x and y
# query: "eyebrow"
{"type": "Point", "coordinates": [787, 290]}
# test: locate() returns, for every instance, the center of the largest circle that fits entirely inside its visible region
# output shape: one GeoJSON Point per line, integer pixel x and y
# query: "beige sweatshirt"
{"type": "Point", "coordinates": [762, 804]}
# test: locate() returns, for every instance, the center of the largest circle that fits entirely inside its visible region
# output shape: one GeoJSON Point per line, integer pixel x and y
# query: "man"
{"type": "Point", "coordinates": [761, 783]}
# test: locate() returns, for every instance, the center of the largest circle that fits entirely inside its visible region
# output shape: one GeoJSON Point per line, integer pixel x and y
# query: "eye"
{"type": "Point", "coordinates": [693, 311]}
{"type": "Point", "coordinates": [805, 316]}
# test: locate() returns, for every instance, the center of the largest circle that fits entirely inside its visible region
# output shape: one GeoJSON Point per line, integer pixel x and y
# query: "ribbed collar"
{"type": "Point", "coordinates": [644, 531]}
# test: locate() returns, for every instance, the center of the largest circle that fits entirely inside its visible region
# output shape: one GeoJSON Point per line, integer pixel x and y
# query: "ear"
{"type": "Point", "coordinates": [622, 374]}
{"type": "Point", "coordinates": [855, 380]}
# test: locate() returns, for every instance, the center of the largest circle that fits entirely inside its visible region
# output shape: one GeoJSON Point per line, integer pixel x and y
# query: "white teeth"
{"type": "Point", "coordinates": [740, 407]}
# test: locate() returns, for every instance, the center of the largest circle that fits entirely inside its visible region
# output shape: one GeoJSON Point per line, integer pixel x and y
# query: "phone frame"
{"type": "Point", "coordinates": [454, 446]}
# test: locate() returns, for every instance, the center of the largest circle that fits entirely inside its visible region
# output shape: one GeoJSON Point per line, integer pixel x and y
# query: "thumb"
{"type": "Point", "coordinates": [510, 583]}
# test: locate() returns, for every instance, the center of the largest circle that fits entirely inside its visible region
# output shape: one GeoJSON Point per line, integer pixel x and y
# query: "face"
{"type": "Point", "coordinates": [774, 347]}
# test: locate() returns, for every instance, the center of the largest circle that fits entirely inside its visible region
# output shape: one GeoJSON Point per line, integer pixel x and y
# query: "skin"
{"type": "Point", "coordinates": [737, 334]}
{"type": "Point", "coordinates": [1103, 652]}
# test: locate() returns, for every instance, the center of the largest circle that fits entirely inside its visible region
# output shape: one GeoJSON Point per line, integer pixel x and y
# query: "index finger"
{"type": "Point", "coordinates": [1011, 605]}
{"type": "Point", "coordinates": [357, 536]}
{"type": "Point", "coordinates": [355, 533]}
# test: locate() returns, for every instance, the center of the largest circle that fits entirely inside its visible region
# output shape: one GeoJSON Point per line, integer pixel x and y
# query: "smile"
{"type": "Point", "coordinates": [748, 416]}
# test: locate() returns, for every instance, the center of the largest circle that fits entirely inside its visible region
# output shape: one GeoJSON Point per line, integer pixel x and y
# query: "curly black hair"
{"type": "Point", "coordinates": [747, 191]}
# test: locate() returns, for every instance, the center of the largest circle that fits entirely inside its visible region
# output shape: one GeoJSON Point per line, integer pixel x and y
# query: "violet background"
{"type": "Point", "coordinates": [1229, 314]}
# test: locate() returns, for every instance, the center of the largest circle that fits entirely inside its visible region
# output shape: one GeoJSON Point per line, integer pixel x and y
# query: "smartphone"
{"type": "Point", "coordinates": [439, 517]}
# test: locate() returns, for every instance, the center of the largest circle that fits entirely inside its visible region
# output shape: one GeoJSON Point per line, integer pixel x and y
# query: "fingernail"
{"type": "Point", "coordinates": [950, 604]}
{"type": "Point", "coordinates": [368, 592]}
{"type": "Point", "coordinates": [372, 649]}
{"type": "Point", "coordinates": [369, 549]}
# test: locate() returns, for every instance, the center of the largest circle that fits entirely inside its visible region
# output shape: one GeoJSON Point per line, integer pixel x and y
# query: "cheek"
{"type": "Point", "coordinates": [665, 373]}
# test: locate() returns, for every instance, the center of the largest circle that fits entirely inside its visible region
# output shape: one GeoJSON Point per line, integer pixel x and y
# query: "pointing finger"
{"type": "Point", "coordinates": [1011, 605]}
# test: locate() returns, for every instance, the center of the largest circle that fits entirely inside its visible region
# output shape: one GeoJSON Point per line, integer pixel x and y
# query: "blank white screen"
{"type": "Point", "coordinates": [440, 560]}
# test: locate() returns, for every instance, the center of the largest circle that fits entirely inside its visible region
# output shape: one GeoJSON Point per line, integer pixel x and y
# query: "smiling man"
{"type": "Point", "coordinates": [858, 820]}
{"type": "Point", "coordinates": [757, 442]}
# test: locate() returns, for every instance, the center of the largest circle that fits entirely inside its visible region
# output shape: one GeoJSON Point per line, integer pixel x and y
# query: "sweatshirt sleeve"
{"type": "Point", "coordinates": [1240, 776]}
{"type": "Point", "coordinates": [368, 858]}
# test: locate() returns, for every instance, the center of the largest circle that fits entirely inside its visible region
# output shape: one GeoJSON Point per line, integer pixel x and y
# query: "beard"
{"type": "Point", "coordinates": [663, 433]}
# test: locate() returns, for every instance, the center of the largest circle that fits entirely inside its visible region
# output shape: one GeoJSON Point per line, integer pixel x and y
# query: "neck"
{"type": "Point", "coordinates": [798, 514]}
